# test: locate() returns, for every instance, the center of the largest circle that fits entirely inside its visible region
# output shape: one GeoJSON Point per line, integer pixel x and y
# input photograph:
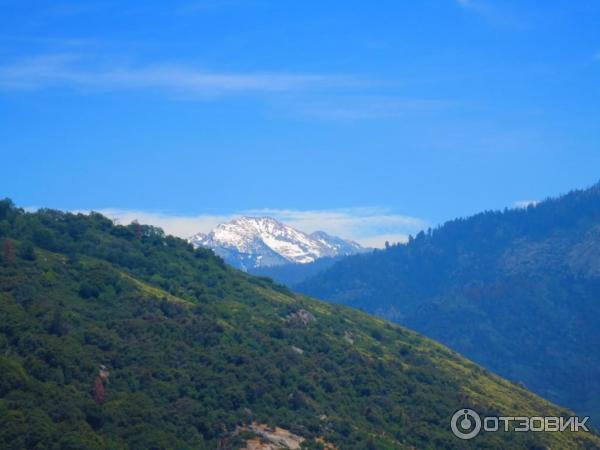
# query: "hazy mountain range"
{"type": "Point", "coordinates": [517, 291]}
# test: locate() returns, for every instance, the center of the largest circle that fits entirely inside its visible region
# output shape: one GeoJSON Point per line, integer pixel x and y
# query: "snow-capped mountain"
{"type": "Point", "coordinates": [250, 242]}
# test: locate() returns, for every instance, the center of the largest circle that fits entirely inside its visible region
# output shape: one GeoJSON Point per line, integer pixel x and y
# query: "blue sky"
{"type": "Point", "coordinates": [367, 119]}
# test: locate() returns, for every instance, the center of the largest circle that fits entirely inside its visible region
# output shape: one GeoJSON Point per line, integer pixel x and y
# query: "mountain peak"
{"type": "Point", "coordinates": [248, 242]}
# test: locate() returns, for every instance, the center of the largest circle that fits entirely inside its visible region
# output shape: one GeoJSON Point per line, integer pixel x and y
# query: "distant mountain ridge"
{"type": "Point", "coordinates": [252, 242]}
{"type": "Point", "coordinates": [516, 290]}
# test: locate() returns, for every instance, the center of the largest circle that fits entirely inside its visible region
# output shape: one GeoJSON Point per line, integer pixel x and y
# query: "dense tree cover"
{"type": "Point", "coordinates": [121, 337]}
{"type": "Point", "coordinates": [517, 291]}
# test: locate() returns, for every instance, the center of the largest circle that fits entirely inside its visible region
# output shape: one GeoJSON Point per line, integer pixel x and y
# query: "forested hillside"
{"type": "Point", "coordinates": [121, 337]}
{"type": "Point", "coordinates": [517, 291]}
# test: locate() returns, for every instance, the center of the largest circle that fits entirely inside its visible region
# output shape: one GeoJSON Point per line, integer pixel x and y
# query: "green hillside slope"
{"type": "Point", "coordinates": [120, 337]}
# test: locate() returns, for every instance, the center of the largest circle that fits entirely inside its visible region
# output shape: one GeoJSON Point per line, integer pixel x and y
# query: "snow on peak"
{"type": "Point", "coordinates": [248, 242]}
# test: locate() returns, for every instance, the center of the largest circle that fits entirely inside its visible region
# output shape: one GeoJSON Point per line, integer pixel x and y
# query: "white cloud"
{"type": "Point", "coordinates": [177, 225]}
{"type": "Point", "coordinates": [69, 69]}
{"type": "Point", "coordinates": [379, 241]}
{"type": "Point", "coordinates": [525, 203]}
{"type": "Point", "coordinates": [370, 226]}
{"type": "Point", "coordinates": [318, 96]}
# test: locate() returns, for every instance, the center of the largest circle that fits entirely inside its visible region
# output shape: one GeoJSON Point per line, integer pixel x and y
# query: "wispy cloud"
{"type": "Point", "coordinates": [525, 203]}
{"type": "Point", "coordinates": [178, 225]}
{"type": "Point", "coordinates": [370, 226]}
{"type": "Point", "coordinates": [316, 96]}
{"type": "Point", "coordinates": [68, 69]}
{"type": "Point", "coordinates": [367, 224]}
